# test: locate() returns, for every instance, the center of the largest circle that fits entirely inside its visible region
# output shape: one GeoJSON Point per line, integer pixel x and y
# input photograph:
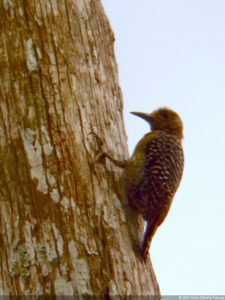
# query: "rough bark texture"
{"type": "Point", "coordinates": [65, 227]}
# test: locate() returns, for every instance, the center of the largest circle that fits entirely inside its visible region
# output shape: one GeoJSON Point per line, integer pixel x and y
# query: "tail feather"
{"type": "Point", "coordinates": [146, 243]}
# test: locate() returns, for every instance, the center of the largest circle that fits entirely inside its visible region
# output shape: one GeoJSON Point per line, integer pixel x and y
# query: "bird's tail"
{"type": "Point", "coordinates": [146, 243]}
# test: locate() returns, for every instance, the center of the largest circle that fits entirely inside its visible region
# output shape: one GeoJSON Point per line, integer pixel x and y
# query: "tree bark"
{"type": "Point", "coordinates": [65, 228]}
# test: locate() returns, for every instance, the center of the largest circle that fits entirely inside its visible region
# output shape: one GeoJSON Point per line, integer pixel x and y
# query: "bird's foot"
{"type": "Point", "coordinates": [101, 155]}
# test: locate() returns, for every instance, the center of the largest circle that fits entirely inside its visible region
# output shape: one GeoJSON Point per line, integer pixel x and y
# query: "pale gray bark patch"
{"type": "Point", "coordinates": [8, 4]}
{"type": "Point", "coordinates": [32, 63]}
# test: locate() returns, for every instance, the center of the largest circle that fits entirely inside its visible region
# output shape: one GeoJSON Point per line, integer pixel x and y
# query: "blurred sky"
{"type": "Point", "coordinates": [172, 53]}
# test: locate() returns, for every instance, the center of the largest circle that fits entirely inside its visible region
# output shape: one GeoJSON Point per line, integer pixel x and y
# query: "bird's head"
{"type": "Point", "coordinates": [163, 119]}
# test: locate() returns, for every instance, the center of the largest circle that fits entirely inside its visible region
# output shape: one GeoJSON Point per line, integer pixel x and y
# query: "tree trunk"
{"type": "Point", "coordinates": [65, 228]}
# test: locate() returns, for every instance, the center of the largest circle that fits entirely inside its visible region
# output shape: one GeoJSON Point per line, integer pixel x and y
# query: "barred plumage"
{"type": "Point", "coordinates": [154, 171]}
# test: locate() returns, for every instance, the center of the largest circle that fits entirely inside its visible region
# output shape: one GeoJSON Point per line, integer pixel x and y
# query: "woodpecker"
{"type": "Point", "coordinates": [154, 171]}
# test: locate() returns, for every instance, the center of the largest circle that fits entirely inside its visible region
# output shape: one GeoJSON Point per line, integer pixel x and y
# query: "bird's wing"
{"type": "Point", "coordinates": [159, 181]}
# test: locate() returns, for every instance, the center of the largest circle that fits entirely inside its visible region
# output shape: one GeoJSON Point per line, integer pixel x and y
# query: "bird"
{"type": "Point", "coordinates": [153, 172]}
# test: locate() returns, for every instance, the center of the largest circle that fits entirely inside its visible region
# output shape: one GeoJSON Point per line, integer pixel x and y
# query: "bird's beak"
{"type": "Point", "coordinates": [145, 116]}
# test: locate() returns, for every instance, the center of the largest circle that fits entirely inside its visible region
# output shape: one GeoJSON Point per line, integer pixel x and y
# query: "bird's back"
{"type": "Point", "coordinates": [158, 177]}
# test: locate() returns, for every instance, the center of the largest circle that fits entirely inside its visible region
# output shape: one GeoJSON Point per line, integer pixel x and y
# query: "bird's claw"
{"type": "Point", "coordinates": [102, 155]}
